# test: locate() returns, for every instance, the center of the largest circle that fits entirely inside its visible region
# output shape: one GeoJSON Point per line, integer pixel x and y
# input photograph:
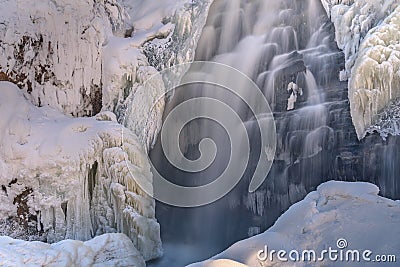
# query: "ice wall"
{"type": "Point", "coordinates": [375, 80]}
{"type": "Point", "coordinates": [367, 32]}
{"type": "Point", "coordinates": [72, 178]}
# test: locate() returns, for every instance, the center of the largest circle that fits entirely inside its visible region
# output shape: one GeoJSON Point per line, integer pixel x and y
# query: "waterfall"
{"type": "Point", "coordinates": [287, 48]}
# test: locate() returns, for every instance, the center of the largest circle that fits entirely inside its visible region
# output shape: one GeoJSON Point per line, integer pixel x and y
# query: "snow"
{"type": "Point", "coordinates": [367, 32]}
{"type": "Point", "coordinates": [336, 210]}
{"type": "Point", "coordinates": [104, 250]}
{"type": "Point", "coordinates": [69, 177]}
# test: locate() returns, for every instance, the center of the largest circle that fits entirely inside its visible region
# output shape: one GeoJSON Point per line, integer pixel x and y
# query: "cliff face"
{"type": "Point", "coordinates": [68, 167]}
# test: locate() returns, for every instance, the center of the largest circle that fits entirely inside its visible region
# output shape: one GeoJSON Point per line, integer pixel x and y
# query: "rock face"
{"type": "Point", "coordinates": [53, 50]}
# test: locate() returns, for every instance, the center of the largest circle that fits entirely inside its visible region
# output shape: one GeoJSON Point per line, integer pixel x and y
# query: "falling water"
{"type": "Point", "coordinates": [287, 48]}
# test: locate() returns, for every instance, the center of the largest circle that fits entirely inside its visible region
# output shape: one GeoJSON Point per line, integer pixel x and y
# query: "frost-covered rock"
{"type": "Point", "coordinates": [128, 90]}
{"type": "Point", "coordinates": [73, 178]}
{"type": "Point", "coordinates": [337, 210]}
{"type": "Point", "coordinates": [368, 33]}
{"type": "Point", "coordinates": [161, 34]}
{"type": "Point", "coordinates": [104, 250]}
{"type": "Point", "coordinates": [53, 50]}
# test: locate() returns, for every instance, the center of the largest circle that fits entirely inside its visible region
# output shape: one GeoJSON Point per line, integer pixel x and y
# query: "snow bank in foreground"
{"type": "Point", "coordinates": [368, 33]}
{"type": "Point", "coordinates": [337, 210]}
{"type": "Point", "coordinates": [53, 50]}
{"type": "Point", "coordinates": [72, 178]}
{"type": "Point", "coordinates": [104, 250]}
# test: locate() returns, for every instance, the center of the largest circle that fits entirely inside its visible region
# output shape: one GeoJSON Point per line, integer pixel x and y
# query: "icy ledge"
{"type": "Point", "coordinates": [368, 33]}
{"type": "Point", "coordinates": [72, 178]}
{"type": "Point", "coordinates": [351, 211]}
{"type": "Point", "coordinates": [105, 250]}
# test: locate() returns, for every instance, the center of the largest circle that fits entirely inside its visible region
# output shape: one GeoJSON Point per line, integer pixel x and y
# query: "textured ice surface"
{"type": "Point", "coordinates": [352, 211]}
{"type": "Point", "coordinates": [368, 33]}
{"type": "Point", "coordinates": [375, 79]}
{"type": "Point", "coordinates": [69, 177]}
{"type": "Point", "coordinates": [104, 250]}
{"type": "Point", "coordinates": [388, 121]}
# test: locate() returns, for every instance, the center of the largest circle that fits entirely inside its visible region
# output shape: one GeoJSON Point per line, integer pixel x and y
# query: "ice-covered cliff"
{"type": "Point", "coordinates": [72, 178]}
{"type": "Point", "coordinates": [65, 177]}
{"type": "Point", "coordinates": [368, 33]}
{"type": "Point", "coordinates": [351, 213]}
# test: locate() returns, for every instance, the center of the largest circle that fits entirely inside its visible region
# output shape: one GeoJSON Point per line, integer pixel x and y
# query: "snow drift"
{"type": "Point", "coordinates": [105, 250]}
{"type": "Point", "coordinates": [337, 210]}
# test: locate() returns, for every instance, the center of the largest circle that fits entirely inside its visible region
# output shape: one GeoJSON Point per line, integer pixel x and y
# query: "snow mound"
{"type": "Point", "coordinates": [104, 250]}
{"type": "Point", "coordinates": [368, 33]}
{"type": "Point", "coordinates": [72, 178]}
{"type": "Point", "coordinates": [337, 210]}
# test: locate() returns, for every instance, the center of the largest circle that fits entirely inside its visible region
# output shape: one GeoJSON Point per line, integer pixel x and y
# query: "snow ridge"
{"type": "Point", "coordinates": [352, 211]}
{"type": "Point", "coordinates": [105, 250]}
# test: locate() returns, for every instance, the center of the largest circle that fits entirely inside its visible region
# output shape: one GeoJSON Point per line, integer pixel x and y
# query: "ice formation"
{"type": "Point", "coordinates": [104, 250]}
{"type": "Point", "coordinates": [163, 33]}
{"type": "Point", "coordinates": [353, 19]}
{"type": "Point", "coordinates": [73, 178]}
{"type": "Point", "coordinates": [294, 90]}
{"type": "Point", "coordinates": [337, 210]}
{"type": "Point", "coordinates": [368, 33]}
{"type": "Point", "coordinates": [375, 79]}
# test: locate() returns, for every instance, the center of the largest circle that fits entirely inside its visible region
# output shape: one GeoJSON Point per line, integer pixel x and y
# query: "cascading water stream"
{"type": "Point", "coordinates": [286, 47]}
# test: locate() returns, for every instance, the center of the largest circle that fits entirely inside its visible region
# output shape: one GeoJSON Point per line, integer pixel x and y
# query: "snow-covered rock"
{"type": "Point", "coordinates": [104, 250]}
{"type": "Point", "coordinates": [53, 50]}
{"type": "Point", "coordinates": [368, 33]}
{"type": "Point", "coordinates": [336, 211]}
{"type": "Point", "coordinates": [74, 178]}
